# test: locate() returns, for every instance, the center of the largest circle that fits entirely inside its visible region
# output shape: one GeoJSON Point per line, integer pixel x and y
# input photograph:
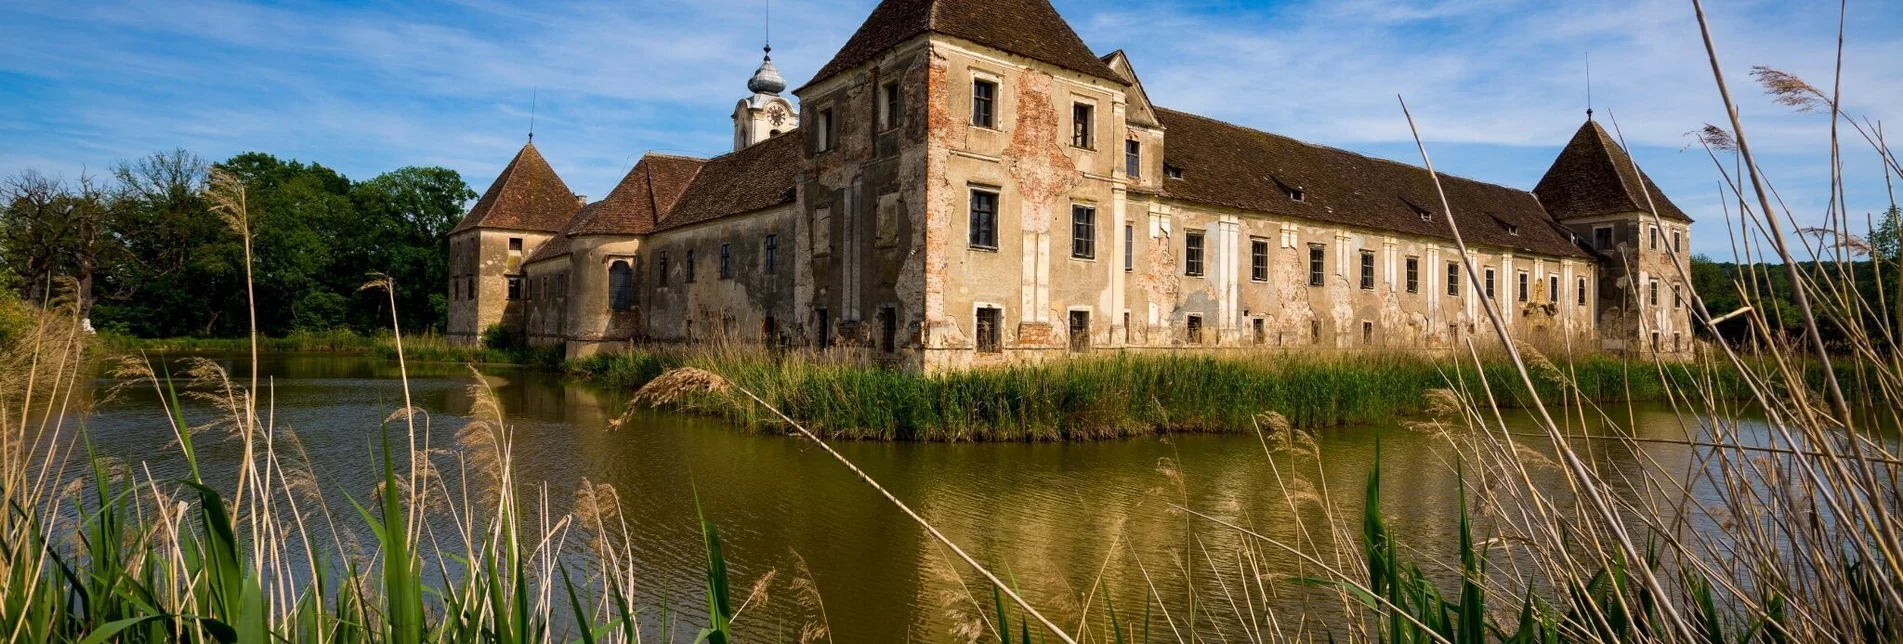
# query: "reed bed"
{"type": "Point", "coordinates": [1089, 398]}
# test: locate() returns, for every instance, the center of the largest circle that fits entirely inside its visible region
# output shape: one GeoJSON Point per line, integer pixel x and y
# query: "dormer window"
{"type": "Point", "coordinates": [1295, 194]}
{"type": "Point", "coordinates": [1172, 172]}
{"type": "Point", "coordinates": [1423, 214]}
{"type": "Point", "coordinates": [1513, 230]}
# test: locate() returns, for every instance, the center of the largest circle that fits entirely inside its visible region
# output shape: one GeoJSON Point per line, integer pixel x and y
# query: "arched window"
{"type": "Point", "coordinates": [620, 286]}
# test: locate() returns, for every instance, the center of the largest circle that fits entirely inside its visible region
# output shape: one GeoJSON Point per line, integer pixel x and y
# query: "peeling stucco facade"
{"type": "Point", "coordinates": [957, 205]}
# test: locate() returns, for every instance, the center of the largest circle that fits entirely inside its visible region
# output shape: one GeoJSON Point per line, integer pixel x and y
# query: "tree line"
{"type": "Point", "coordinates": [1856, 295]}
{"type": "Point", "coordinates": [143, 253]}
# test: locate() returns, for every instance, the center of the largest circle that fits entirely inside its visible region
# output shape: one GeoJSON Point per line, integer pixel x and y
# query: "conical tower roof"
{"type": "Point", "coordinates": [1029, 28]}
{"type": "Point", "coordinates": [1594, 176]}
{"type": "Point", "coordinates": [528, 195]}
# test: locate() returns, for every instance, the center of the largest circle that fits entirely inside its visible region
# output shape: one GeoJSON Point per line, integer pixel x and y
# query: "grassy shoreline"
{"type": "Point", "coordinates": [1078, 399]}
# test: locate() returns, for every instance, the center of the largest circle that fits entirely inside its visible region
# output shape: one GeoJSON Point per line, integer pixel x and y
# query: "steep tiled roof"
{"type": "Point", "coordinates": [758, 177]}
{"type": "Point", "coordinates": [1029, 28]}
{"type": "Point", "coordinates": [528, 195]}
{"type": "Point", "coordinates": [1229, 165]}
{"type": "Point", "coordinates": [643, 196]}
{"type": "Point", "coordinates": [1594, 176]}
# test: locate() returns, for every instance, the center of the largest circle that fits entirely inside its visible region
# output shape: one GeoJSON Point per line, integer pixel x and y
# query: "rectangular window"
{"type": "Point", "coordinates": [892, 105]}
{"type": "Point", "coordinates": [1194, 329]}
{"type": "Point", "coordinates": [1126, 327]}
{"type": "Point", "coordinates": [828, 130]}
{"type": "Point", "coordinates": [1552, 288]}
{"type": "Point", "coordinates": [1453, 279]}
{"type": "Point", "coordinates": [1133, 159]}
{"type": "Point", "coordinates": [690, 266]}
{"type": "Point", "coordinates": [1260, 331]}
{"type": "Point", "coordinates": [1678, 300]}
{"type": "Point", "coordinates": [990, 330]}
{"type": "Point", "coordinates": [888, 329]}
{"type": "Point", "coordinates": [1367, 333]}
{"type": "Point", "coordinates": [1083, 232]}
{"type": "Point", "coordinates": [1129, 247]}
{"type": "Point", "coordinates": [1316, 257]}
{"type": "Point", "coordinates": [1523, 285]}
{"type": "Point", "coordinates": [660, 270]}
{"type": "Point", "coordinates": [1413, 274]}
{"type": "Point", "coordinates": [1193, 253]}
{"type": "Point", "coordinates": [772, 252]}
{"type": "Point", "coordinates": [1602, 238]}
{"type": "Point", "coordinates": [515, 245]}
{"type": "Point", "coordinates": [824, 321]}
{"type": "Point", "coordinates": [984, 219]}
{"type": "Point", "coordinates": [1367, 270]}
{"type": "Point", "coordinates": [1079, 331]}
{"type": "Point", "coordinates": [1082, 117]}
{"type": "Point", "coordinates": [1654, 243]}
{"type": "Point", "coordinates": [1259, 259]}
{"type": "Point", "coordinates": [984, 103]}
{"type": "Point", "coordinates": [1489, 282]}
{"type": "Point", "coordinates": [1655, 293]}
{"type": "Point", "coordinates": [1675, 243]}
{"type": "Point", "coordinates": [515, 288]}
{"type": "Point", "coordinates": [726, 261]}
{"type": "Point", "coordinates": [1582, 291]}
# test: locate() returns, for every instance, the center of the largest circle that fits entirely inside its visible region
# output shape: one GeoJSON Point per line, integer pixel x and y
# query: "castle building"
{"type": "Point", "coordinates": [967, 183]}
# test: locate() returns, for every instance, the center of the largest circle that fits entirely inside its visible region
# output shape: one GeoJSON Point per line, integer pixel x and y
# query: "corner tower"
{"type": "Point", "coordinates": [765, 114]}
{"type": "Point", "coordinates": [1641, 239]}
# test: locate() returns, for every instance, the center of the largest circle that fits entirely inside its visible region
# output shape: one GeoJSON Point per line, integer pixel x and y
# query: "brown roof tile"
{"type": "Point", "coordinates": [647, 192]}
{"type": "Point", "coordinates": [1594, 176]}
{"type": "Point", "coordinates": [1029, 28]}
{"type": "Point", "coordinates": [528, 195]}
{"type": "Point", "coordinates": [1229, 165]}
{"type": "Point", "coordinates": [758, 177]}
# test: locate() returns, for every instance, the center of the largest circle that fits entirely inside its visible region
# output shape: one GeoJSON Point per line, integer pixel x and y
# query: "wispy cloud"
{"type": "Point", "coordinates": [367, 86]}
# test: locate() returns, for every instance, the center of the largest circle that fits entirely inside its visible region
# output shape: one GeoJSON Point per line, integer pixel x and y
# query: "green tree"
{"type": "Point", "coordinates": [51, 231]}
{"type": "Point", "coordinates": [404, 221]}
{"type": "Point", "coordinates": [182, 271]}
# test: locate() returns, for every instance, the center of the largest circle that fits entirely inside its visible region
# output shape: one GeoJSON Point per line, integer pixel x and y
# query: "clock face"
{"type": "Point", "coordinates": [776, 114]}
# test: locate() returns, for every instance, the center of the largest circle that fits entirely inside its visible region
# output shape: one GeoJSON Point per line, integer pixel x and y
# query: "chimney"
{"type": "Point", "coordinates": [581, 200]}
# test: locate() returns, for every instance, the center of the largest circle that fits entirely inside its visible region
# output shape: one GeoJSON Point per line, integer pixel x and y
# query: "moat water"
{"type": "Point", "coordinates": [1048, 515]}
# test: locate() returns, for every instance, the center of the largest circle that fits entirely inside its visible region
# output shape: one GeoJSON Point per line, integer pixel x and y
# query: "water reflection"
{"type": "Point", "coordinates": [1047, 513]}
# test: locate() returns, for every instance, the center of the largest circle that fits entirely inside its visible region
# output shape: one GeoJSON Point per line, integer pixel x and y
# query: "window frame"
{"type": "Point", "coordinates": [1133, 158]}
{"type": "Point", "coordinates": [726, 261]}
{"type": "Point", "coordinates": [771, 252]}
{"type": "Point", "coordinates": [1491, 278]}
{"type": "Point", "coordinates": [988, 335]}
{"type": "Point", "coordinates": [1581, 286]}
{"type": "Point", "coordinates": [1413, 274]}
{"type": "Point", "coordinates": [1552, 288]}
{"type": "Point", "coordinates": [1367, 270]}
{"type": "Point", "coordinates": [1195, 245]}
{"type": "Point", "coordinates": [1193, 329]}
{"type": "Point", "coordinates": [983, 237]}
{"type": "Point", "coordinates": [1525, 286]}
{"type": "Point", "coordinates": [1083, 231]}
{"type": "Point", "coordinates": [515, 289]}
{"type": "Point", "coordinates": [891, 105]}
{"type": "Point", "coordinates": [1453, 279]}
{"type": "Point", "coordinates": [984, 104]}
{"type": "Point", "coordinates": [1317, 265]}
{"type": "Point", "coordinates": [1083, 125]}
{"type": "Point", "coordinates": [660, 270]}
{"type": "Point", "coordinates": [621, 293]}
{"type": "Point", "coordinates": [1609, 242]}
{"type": "Point", "coordinates": [690, 266]}
{"type": "Point", "coordinates": [828, 131]}
{"type": "Point", "coordinates": [1258, 259]}
{"type": "Point", "coordinates": [1129, 248]}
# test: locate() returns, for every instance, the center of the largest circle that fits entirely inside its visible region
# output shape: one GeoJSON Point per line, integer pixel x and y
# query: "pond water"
{"type": "Point", "coordinates": [1048, 514]}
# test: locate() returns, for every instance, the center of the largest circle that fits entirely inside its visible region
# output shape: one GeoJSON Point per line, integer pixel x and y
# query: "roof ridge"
{"type": "Point", "coordinates": [665, 155]}
{"type": "Point", "coordinates": [1331, 148]}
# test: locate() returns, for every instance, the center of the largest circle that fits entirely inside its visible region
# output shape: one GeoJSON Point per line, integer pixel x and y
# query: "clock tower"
{"type": "Point", "coordinates": [765, 114]}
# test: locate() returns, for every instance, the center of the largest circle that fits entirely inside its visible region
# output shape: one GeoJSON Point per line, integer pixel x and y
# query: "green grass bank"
{"type": "Point", "coordinates": [1110, 397]}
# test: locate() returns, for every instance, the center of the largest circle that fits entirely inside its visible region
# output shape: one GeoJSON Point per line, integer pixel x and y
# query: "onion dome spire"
{"type": "Point", "coordinates": [766, 79]}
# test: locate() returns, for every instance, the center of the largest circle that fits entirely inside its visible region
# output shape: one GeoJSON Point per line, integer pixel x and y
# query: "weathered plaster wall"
{"type": "Point", "coordinates": [592, 325]}
{"type": "Point", "coordinates": [484, 256]}
{"type": "Point", "coordinates": [710, 307]}
{"type": "Point", "coordinates": [862, 220]}
{"type": "Point", "coordinates": [1028, 159]}
{"type": "Point", "coordinates": [1628, 317]}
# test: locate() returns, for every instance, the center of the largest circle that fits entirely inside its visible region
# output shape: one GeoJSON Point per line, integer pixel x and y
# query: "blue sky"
{"type": "Point", "coordinates": [368, 86]}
